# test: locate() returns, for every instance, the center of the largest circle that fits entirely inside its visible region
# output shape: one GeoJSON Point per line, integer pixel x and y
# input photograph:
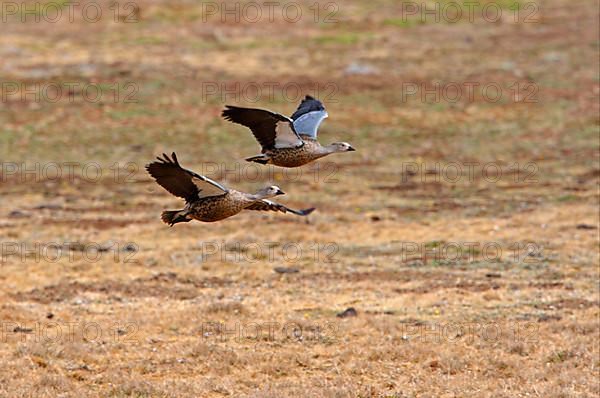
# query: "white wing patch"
{"type": "Point", "coordinates": [285, 136]}
{"type": "Point", "coordinates": [309, 123]}
{"type": "Point", "coordinates": [208, 187]}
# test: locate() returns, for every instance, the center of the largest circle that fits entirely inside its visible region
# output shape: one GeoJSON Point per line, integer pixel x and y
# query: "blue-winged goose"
{"type": "Point", "coordinates": [286, 142]}
{"type": "Point", "coordinates": [207, 200]}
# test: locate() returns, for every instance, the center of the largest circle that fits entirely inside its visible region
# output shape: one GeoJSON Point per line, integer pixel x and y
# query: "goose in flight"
{"type": "Point", "coordinates": [207, 200]}
{"type": "Point", "coordinates": [286, 142]}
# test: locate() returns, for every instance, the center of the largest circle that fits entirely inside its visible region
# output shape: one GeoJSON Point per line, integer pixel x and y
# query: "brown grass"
{"type": "Point", "coordinates": [139, 309]}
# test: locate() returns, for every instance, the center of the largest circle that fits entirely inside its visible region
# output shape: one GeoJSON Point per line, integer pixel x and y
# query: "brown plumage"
{"type": "Point", "coordinates": [207, 200]}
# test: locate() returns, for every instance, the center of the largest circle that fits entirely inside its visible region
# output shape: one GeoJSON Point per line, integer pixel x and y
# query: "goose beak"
{"type": "Point", "coordinates": [351, 149]}
{"type": "Point", "coordinates": [280, 192]}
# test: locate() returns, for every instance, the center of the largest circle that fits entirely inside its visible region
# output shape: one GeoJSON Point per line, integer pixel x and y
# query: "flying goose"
{"type": "Point", "coordinates": [207, 200]}
{"type": "Point", "coordinates": [286, 142]}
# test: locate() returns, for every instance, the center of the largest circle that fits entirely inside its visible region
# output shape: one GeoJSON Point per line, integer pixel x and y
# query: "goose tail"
{"type": "Point", "coordinates": [172, 217]}
{"type": "Point", "coordinates": [262, 159]}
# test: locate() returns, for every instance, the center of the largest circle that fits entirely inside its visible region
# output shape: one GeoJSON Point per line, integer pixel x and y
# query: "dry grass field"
{"type": "Point", "coordinates": [463, 231]}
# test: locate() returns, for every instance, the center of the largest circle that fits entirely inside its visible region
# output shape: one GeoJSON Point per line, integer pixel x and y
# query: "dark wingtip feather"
{"type": "Point", "coordinates": [161, 160]}
{"type": "Point", "coordinates": [229, 112]}
{"type": "Point", "coordinates": [308, 104]}
{"type": "Point", "coordinates": [306, 212]}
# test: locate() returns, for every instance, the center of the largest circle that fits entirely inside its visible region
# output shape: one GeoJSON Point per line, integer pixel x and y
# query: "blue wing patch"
{"type": "Point", "coordinates": [308, 116]}
{"type": "Point", "coordinates": [309, 123]}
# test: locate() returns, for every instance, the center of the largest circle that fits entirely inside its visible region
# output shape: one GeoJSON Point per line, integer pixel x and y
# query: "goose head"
{"type": "Point", "coordinates": [269, 192]}
{"type": "Point", "coordinates": [340, 147]}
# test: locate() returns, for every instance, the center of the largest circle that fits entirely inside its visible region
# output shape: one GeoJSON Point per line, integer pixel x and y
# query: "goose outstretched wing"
{"type": "Point", "coordinates": [272, 130]}
{"type": "Point", "coordinates": [267, 205]}
{"type": "Point", "coordinates": [181, 182]}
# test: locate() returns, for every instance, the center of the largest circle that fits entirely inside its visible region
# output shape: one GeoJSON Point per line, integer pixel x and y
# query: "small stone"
{"type": "Point", "coordinates": [547, 318]}
{"type": "Point", "coordinates": [553, 56]}
{"type": "Point", "coordinates": [130, 247]}
{"type": "Point", "coordinates": [586, 226]}
{"type": "Point", "coordinates": [48, 206]}
{"type": "Point", "coordinates": [356, 68]}
{"type": "Point", "coordinates": [17, 214]}
{"type": "Point", "coordinates": [347, 313]}
{"type": "Point", "coordinates": [151, 262]}
{"type": "Point", "coordinates": [286, 270]}
{"type": "Point", "coordinates": [434, 364]}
